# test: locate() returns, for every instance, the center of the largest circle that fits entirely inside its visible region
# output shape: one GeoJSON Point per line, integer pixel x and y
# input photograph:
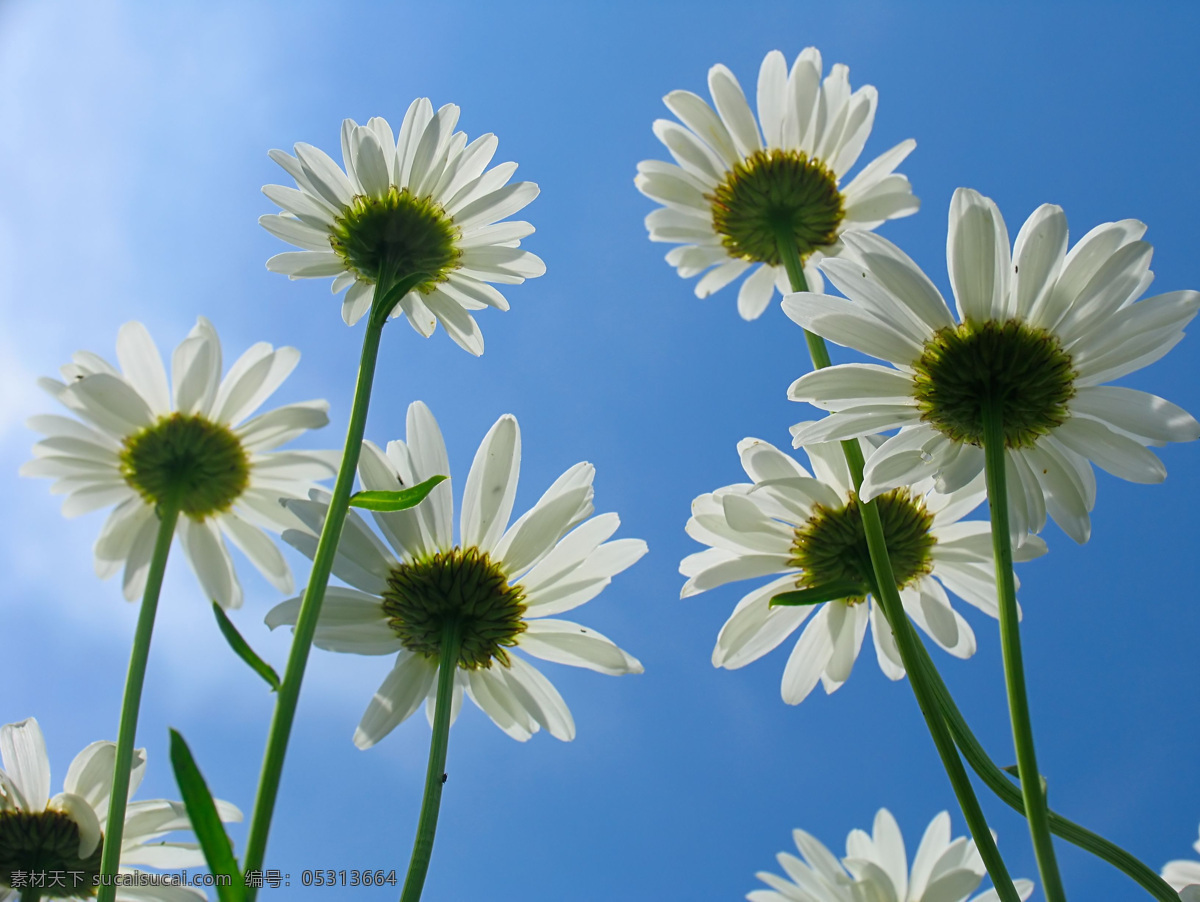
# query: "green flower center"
{"type": "Point", "coordinates": [459, 586]}
{"type": "Point", "coordinates": [1023, 369]}
{"type": "Point", "coordinates": [408, 234]}
{"type": "Point", "coordinates": [199, 463]}
{"type": "Point", "coordinates": [774, 195]}
{"type": "Point", "coordinates": [45, 844]}
{"type": "Point", "coordinates": [832, 546]}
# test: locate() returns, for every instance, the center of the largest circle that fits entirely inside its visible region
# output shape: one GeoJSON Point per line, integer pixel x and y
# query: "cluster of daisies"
{"type": "Point", "coordinates": [1040, 328]}
{"type": "Point", "coordinates": [414, 224]}
{"type": "Point", "coordinates": [424, 205]}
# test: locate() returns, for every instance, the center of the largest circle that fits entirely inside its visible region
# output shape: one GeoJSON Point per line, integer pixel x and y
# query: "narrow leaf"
{"type": "Point", "coordinates": [846, 588]}
{"type": "Point", "coordinates": [1016, 772]}
{"type": "Point", "coordinates": [242, 649]}
{"type": "Point", "coordinates": [206, 823]}
{"type": "Point", "coordinates": [395, 501]}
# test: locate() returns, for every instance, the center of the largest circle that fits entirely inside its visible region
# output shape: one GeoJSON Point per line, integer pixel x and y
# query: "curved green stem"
{"type": "Point", "coordinates": [1010, 640]}
{"type": "Point", "coordinates": [907, 641]}
{"type": "Point", "coordinates": [999, 783]}
{"type": "Point", "coordinates": [386, 291]}
{"type": "Point", "coordinates": [435, 772]}
{"type": "Point", "coordinates": [114, 828]}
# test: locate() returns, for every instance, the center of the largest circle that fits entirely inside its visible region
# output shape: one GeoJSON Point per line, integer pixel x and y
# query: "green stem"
{"type": "Point", "coordinates": [999, 783]}
{"type": "Point", "coordinates": [386, 291]}
{"type": "Point", "coordinates": [907, 641]}
{"type": "Point", "coordinates": [1010, 641]}
{"type": "Point", "coordinates": [435, 773]}
{"type": "Point", "coordinates": [795, 270]}
{"type": "Point", "coordinates": [114, 828]}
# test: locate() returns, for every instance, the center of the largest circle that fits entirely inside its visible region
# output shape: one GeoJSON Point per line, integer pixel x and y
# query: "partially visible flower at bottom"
{"type": "Point", "coordinates": [808, 533]}
{"type": "Point", "coordinates": [875, 868]}
{"type": "Point", "coordinates": [59, 840]}
{"type": "Point", "coordinates": [498, 585]}
{"type": "Point", "coordinates": [1182, 873]}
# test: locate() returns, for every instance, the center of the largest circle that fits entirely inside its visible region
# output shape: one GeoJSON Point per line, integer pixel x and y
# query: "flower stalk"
{"type": "Point", "coordinates": [907, 641]}
{"type": "Point", "coordinates": [114, 828]}
{"type": "Point", "coordinates": [435, 772]}
{"type": "Point", "coordinates": [1033, 794]}
{"type": "Point", "coordinates": [999, 783]}
{"type": "Point", "coordinates": [388, 291]}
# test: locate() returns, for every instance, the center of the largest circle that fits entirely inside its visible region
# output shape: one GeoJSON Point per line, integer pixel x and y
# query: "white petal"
{"type": "Point", "coordinates": [259, 548]}
{"type": "Point", "coordinates": [697, 115]}
{"type": "Point", "coordinates": [977, 255]}
{"type": "Point", "coordinates": [23, 751]}
{"type": "Point", "coordinates": [401, 693]}
{"type": "Point", "coordinates": [109, 402]}
{"type": "Point", "coordinates": [808, 659]}
{"type": "Point", "coordinates": [210, 561]}
{"type": "Point", "coordinates": [755, 293]}
{"type": "Point", "coordinates": [1038, 255]}
{"type": "Point", "coordinates": [564, 642]}
{"type": "Point", "coordinates": [492, 485]}
{"type": "Point", "coordinates": [539, 697]}
{"type": "Point", "coordinates": [733, 109]}
{"type": "Point", "coordinates": [488, 688]}
{"type": "Point", "coordinates": [1112, 452]}
{"type": "Point", "coordinates": [143, 366]}
{"type": "Point", "coordinates": [86, 822]}
{"type": "Point", "coordinates": [137, 565]}
{"type": "Point", "coordinates": [251, 380]}
{"type": "Point", "coordinates": [196, 369]}
{"type": "Point", "coordinates": [1138, 414]}
{"type": "Point", "coordinates": [755, 628]}
{"type": "Point", "coordinates": [851, 326]}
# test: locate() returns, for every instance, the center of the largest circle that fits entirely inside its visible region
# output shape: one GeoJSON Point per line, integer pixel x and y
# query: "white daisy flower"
{"type": "Point", "coordinates": [417, 202]}
{"type": "Point", "coordinates": [1040, 329]}
{"type": "Point", "coordinates": [875, 868]}
{"type": "Point", "coordinates": [1182, 873]}
{"type": "Point", "coordinates": [807, 531]}
{"type": "Point", "coordinates": [502, 583]}
{"type": "Point", "coordinates": [737, 189]}
{"type": "Point", "coordinates": [56, 843]}
{"type": "Point", "coordinates": [142, 440]}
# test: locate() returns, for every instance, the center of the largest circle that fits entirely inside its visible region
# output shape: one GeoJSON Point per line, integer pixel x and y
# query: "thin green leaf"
{"type": "Point", "coordinates": [395, 501]}
{"type": "Point", "coordinates": [846, 588]}
{"type": "Point", "coordinates": [242, 649]}
{"type": "Point", "coordinates": [206, 823]}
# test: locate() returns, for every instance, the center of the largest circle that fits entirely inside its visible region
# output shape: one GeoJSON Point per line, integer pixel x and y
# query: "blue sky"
{"type": "Point", "coordinates": [132, 151]}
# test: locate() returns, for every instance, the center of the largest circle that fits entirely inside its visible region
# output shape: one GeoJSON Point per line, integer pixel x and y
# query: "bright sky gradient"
{"type": "Point", "coordinates": [132, 149]}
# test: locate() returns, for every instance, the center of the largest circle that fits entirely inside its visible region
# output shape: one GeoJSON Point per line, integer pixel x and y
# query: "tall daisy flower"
{"type": "Point", "coordinates": [740, 186]}
{"type": "Point", "coordinates": [1040, 330]}
{"type": "Point", "coordinates": [875, 868]}
{"type": "Point", "coordinates": [140, 439]}
{"type": "Point", "coordinates": [805, 529]}
{"type": "Point", "coordinates": [498, 585]}
{"type": "Point", "coordinates": [422, 201]}
{"type": "Point", "coordinates": [55, 844]}
{"type": "Point", "coordinates": [1182, 873]}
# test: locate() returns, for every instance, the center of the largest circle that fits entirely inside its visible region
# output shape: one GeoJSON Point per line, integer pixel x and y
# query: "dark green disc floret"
{"type": "Point", "coordinates": [1022, 368]}
{"type": "Point", "coordinates": [462, 586]}
{"type": "Point", "coordinates": [775, 195]}
{"type": "Point", "coordinates": [409, 234]}
{"type": "Point", "coordinates": [42, 843]}
{"type": "Point", "coordinates": [201, 464]}
{"type": "Point", "coordinates": [831, 548]}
